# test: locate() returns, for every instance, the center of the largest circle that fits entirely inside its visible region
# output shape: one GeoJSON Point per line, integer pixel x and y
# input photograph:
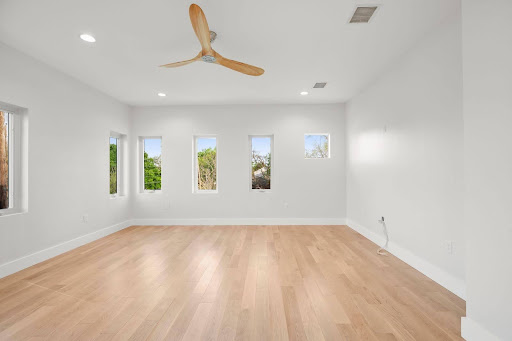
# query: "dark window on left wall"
{"type": "Point", "coordinates": [5, 160]}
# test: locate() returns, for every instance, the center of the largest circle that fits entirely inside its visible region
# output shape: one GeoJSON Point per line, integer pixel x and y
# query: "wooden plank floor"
{"type": "Point", "coordinates": [227, 283]}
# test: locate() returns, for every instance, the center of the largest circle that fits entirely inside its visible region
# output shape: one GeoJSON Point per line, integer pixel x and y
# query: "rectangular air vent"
{"type": "Point", "coordinates": [320, 85]}
{"type": "Point", "coordinates": [363, 14]}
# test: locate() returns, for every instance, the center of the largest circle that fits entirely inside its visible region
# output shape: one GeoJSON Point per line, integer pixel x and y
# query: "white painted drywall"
{"type": "Point", "coordinates": [308, 191]}
{"type": "Point", "coordinates": [487, 50]}
{"type": "Point", "coordinates": [404, 159]}
{"type": "Point", "coordinates": [68, 157]}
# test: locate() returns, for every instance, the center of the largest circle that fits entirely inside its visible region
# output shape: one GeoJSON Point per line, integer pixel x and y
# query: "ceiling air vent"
{"type": "Point", "coordinates": [320, 85]}
{"type": "Point", "coordinates": [363, 14]}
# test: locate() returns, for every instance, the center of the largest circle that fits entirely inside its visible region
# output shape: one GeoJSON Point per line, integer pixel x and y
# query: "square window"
{"type": "Point", "coordinates": [205, 156]}
{"type": "Point", "coordinates": [261, 162]}
{"type": "Point", "coordinates": [317, 146]}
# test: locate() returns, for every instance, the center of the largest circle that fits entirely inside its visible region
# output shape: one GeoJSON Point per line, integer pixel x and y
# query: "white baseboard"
{"type": "Point", "coordinates": [452, 283]}
{"type": "Point", "coordinates": [472, 331]}
{"type": "Point", "coordinates": [40, 256]}
{"type": "Point", "coordinates": [241, 221]}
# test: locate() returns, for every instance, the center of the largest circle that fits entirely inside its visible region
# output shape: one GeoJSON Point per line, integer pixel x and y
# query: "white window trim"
{"type": "Point", "coordinates": [195, 165]}
{"type": "Point", "coordinates": [272, 161]}
{"type": "Point", "coordinates": [328, 147]}
{"type": "Point", "coordinates": [141, 165]}
{"type": "Point", "coordinates": [121, 142]}
{"type": "Point", "coordinates": [15, 160]}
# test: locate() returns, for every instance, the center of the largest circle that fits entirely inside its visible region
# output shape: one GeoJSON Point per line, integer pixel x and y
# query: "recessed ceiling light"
{"type": "Point", "coordinates": [88, 38]}
{"type": "Point", "coordinates": [304, 93]}
{"type": "Point", "coordinates": [161, 94]}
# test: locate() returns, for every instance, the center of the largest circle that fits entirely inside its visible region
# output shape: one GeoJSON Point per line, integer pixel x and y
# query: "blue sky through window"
{"type": "Point", "coordinates": [153, 147]}
{"type": "Point", "coordinates": [205, 143]}
{"type": "Point", "coordinates": [113, 140]}
{"type": "Point", "coordinates": [310, 141]}
{"type": "Point", "coordinates": [261, 145]}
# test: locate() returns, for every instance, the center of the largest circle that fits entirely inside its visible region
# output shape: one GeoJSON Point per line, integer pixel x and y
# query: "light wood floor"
{"type": "Point", "coordinates": [227, 283]}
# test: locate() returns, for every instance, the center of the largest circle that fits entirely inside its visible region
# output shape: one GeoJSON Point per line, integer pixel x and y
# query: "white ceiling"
{"type": "Point", "coordinates": [297, 42]}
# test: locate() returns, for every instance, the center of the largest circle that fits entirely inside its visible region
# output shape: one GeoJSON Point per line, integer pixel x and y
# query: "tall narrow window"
{"type": "Point", "coordinates": [261, 162]}
{"type": "Point", "coordinates": [113, 165]}
{"type": "Point", "coordinates": [316, 146]}
{"type": "Point", "coordinates": [152, 158]}
{"type": "Point", "coordinates": [205, 164]}
{"type": "Point", "coordinates": [5, 160]}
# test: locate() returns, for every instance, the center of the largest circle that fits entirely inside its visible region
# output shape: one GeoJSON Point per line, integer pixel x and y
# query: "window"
{"type": "Point", "coordinates": [113, 164]}
{"type": "Point", "coordinates": [6, 160]}
{"type": "Point", "coordinates": [13, 159]}
{"type": "Point", "coordinates": [116, 172]}
{"type": "Point", "coordinates": [261, 162]}
{"type": "Point", "coordinates": [317, 146]}
{"type": "Point", "coordinates": [205, 170]}
{"type": "Point", "coordinates": [152, 164]}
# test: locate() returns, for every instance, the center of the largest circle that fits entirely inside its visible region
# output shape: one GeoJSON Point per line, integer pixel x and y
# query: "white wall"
{"type": "Point", "coordinates": [487, 31]}
{"type": "Point", "coordinates": [308, 191]}
{"type": "Point", "coordinates": [68, 160]}
{"type": "Point", "coordinates": [404, 161]}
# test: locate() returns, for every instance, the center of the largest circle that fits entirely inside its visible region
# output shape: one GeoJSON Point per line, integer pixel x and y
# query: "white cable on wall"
{"type": "Point", "coordinates": [382, 251]}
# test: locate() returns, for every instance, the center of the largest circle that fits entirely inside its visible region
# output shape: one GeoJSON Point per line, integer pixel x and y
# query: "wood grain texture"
{"type": "Point", "coordinates": [250, 70]}
{"type": "Point", "coordinates": [182, 63]}
{"type": "Point", "coordinates": [200, 25]}
{"type": "Point", "coordinates": [227, 283]}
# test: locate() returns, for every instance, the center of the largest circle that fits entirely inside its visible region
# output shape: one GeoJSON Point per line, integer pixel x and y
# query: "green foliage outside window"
{"type": "Point", "coordinates": [261, 170]}
{"type": "Point", "coordinates": [207, 169]}
{"type": "Point", "coordinates": [152, 172]}
{"type": "Point", "coordinates": [113, 168]}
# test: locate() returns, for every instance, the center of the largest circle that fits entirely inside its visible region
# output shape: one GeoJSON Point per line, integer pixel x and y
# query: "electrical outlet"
{"type": "Point", "coordinates": [449, 246]}
{"type": "Point", "coordinates": [85, 218]}
{"type": "Point", "coordinates": [166, 204]}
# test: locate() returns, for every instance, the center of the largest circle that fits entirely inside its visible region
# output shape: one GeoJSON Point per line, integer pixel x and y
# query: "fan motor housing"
{"type": "Point", "coordinates": [213, 36]}
{"type": "Point", "coordinates": [208, 59]}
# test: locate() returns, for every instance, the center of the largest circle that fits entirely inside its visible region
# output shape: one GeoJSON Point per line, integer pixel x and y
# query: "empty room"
{"type": "Point", "coordinates": [255, 170]}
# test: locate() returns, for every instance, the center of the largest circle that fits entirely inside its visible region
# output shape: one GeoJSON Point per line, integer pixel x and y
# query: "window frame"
{"type": "Point", "coordinates": [141, 165]}
{"type": "Point", "coordinates": [328, 146]}
{"type": "Point", "coordinates": [195, 165]}
{"type": "Point", "coordinates": [272, 162]}
{"type": "Point", "coordinates": [11, 161]}
{"type": "Point", "coordinates": [121, 141]}
{"type": "Point", "coordinates": [16, 173]}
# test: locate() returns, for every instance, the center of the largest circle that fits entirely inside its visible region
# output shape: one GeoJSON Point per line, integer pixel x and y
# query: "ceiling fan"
{"type": "Point", "coordinates": [207, 54]}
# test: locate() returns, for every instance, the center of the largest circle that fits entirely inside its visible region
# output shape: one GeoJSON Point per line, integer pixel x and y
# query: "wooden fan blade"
{"type": "Point", "coordinates": [200, 26]}
{"type": "Point", "coordinates": [185, 62]}
{"type": "Point", "coordinates": [238, 66]}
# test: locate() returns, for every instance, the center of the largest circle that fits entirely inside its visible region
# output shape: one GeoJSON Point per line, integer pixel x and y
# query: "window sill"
{"type": "Point", "coordinates": [260, 190]}
{"type": "Point", "coordinates": [11, 212]}
{"type": "Point", "coordinates": [151, 192]}
{"type": "Point", "coordinates": [206, 192]}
